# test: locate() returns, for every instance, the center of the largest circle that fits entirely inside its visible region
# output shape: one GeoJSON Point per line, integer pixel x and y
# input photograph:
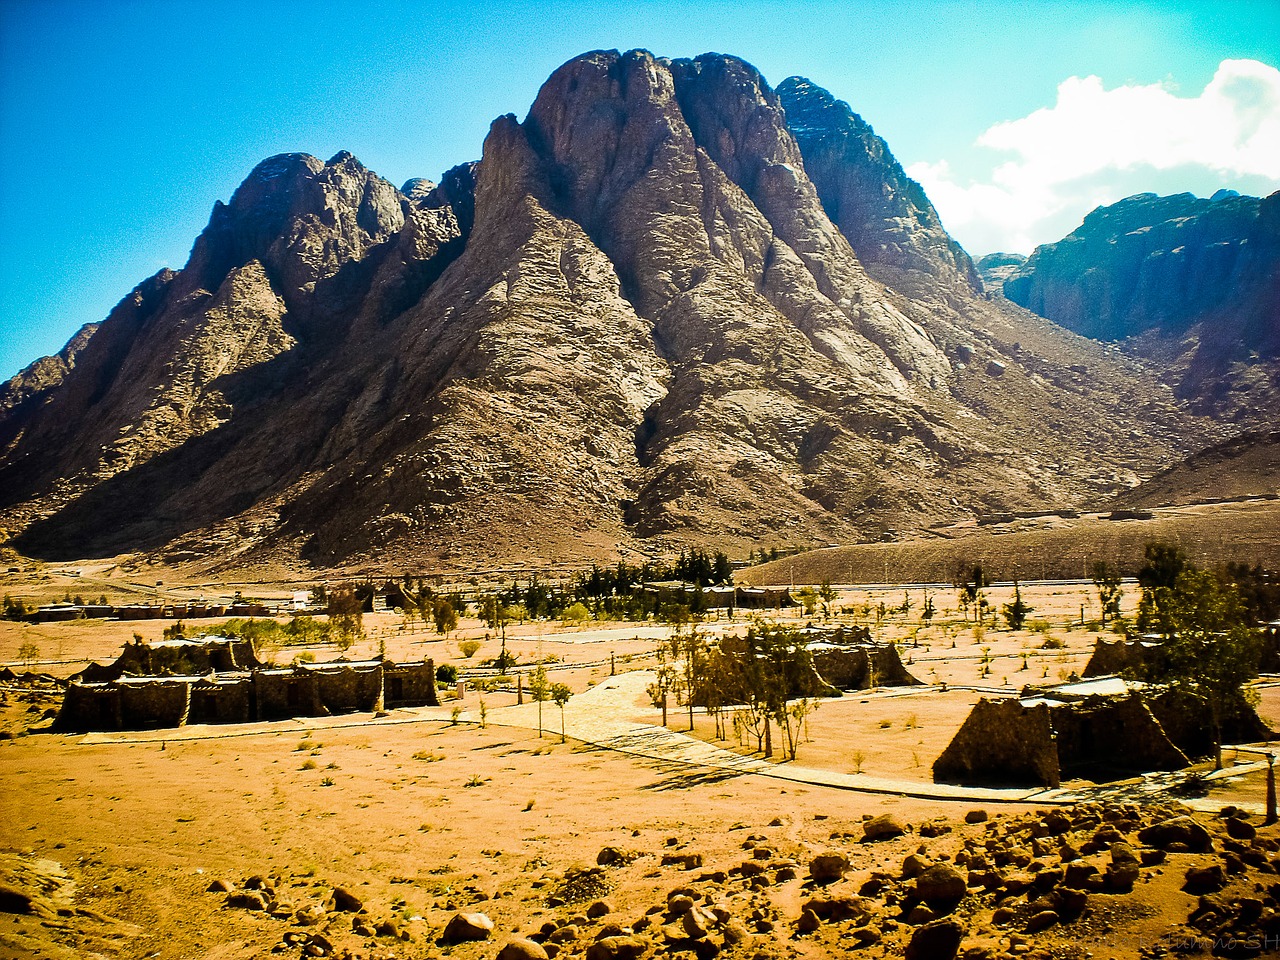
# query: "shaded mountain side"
{"type": "Point", "coordinates": [884, 213]}
{"type": "Point", "coordinates": [1247, 465]}
{"type": "Point", "coordinates": [632, 325]}
{"type": "Point", "coordinates": [38, 379]}
{"type": "Point", "coordinates": [1191, 285]}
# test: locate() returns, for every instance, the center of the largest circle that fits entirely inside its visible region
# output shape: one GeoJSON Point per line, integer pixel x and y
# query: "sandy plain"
{"type": "Point", "coordinates": [421, 817]}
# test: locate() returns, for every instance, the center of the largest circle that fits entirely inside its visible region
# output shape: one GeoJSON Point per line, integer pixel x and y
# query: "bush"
{"type": "Point", "coordinates": [447, 674]}
{"type": "Point", "coordinates": [468, 648]}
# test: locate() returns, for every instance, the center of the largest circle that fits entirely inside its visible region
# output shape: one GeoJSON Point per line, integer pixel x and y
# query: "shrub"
{"type": "Point", "coordinates": [447, 674]}
{"type": "Point", "coordinates": [308, 765]}
{"type": "Point", "coordinates": [469, 648]}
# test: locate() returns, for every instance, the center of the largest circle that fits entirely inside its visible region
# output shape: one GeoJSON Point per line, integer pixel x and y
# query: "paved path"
{"type": "Point", "coordinates": [603, 717]}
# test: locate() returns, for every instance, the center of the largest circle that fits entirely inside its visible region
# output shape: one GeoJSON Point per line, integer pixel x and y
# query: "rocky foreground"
{"type": "Point", "coordinates": [1091, 880]}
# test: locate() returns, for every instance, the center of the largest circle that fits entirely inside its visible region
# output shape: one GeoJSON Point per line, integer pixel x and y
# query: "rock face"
{"type": "Point", "coordinates": [1191, 283]}
{"type": "Point", "coordinates": [634, 320]}
{"type": "Point", "coordinates": [885, 214]}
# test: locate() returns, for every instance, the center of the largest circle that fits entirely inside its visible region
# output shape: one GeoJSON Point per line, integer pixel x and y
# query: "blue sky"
{"type": "Point", "coordinates": [122, 122]}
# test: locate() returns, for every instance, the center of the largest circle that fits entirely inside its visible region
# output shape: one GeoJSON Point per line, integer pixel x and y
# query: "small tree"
{"type": "Point", "coordinates": [664, 679]}
{"type": "Point", "coordinates": [1209, 651]}
{"type": "Point", "coordinates": [540, 690]}
{"type": "Point", "coordinates": [577, 614]}
{"type": "Point", "coordinates": [1016, 613]}
{"type": "Point", "coordinates": [446, 617]}
{"type": "Point", "coordinates": [808, 598]}
{"type": "Point", "coordinates": [346, 617]}
{"type": "Point", "coordinates": [1107, 582]}
{"type": "Point", "coordinates": [826, 593]}
{"type": "Point", "coordinates": [560, 693]}
{"type": "Point", "coordinates": [28, 653]}
{"type": "Point", "coordinates": [1159, 577]}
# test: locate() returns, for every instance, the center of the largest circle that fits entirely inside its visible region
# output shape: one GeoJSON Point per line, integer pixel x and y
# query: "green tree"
{"type": "Point", "coordinates": [28, 653]}
{"type": "Point", "coordinates": [560, 693]}
{"type": "Point", "coordinates": [346, 617]}
{"type": "Point", "coordinates": [540, 690]}
{"type": "Point", "coordinates": [1158, 577]}
{"type": "Point", "coordinates": [808, 598]}
{"type": "Point", "coordinates": [826, 593]}
{"type": "Point", "coordinates": [576, 614]}
{"type": "Point", "coordinates": [664, 679]}
{"type": "Point", "coordinates": [446, 617]}
{"type": "Point", "coordinates": [1016, 613]}
{"type": "Point", "coordinates": [1209, 650]}
{"type": "Point", "coordinates": [1106, 581]}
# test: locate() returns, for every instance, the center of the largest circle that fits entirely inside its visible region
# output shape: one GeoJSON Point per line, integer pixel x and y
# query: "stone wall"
{"type": "Point", "coordinates": [1099, 735]}
{"type": "Point", "coordinates": [409, 685]}
{"type": "Point", "coordinates": [863, 667]}
{"type": "Point", "coordinates": [354, 688]}
{"type": "Point", "coordinates": [223, 701]}
{"type": "Point", "coordinates": [1002, 741]}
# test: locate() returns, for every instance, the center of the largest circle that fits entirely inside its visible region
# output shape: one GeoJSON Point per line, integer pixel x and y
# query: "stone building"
{"type": "Point", "coordinates": [222, 681]}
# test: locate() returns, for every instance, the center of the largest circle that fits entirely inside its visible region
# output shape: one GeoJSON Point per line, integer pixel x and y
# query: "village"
{"type": "Point", "coordinates": [486, 757]}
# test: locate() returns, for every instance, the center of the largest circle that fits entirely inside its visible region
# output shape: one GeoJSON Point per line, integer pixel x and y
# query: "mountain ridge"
{"type": "Point", "coordinates": [633, 324]}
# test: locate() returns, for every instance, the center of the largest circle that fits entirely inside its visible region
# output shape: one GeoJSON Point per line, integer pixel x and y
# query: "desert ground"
{"type": "Point", "coordinates": [116, 839]}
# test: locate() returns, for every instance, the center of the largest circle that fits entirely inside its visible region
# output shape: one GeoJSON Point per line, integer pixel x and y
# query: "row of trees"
{"type": "Point", "coordinates": [753, 683]}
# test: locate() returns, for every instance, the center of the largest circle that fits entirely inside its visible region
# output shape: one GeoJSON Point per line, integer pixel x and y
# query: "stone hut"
{"type": "Point", "coordinates": [129, 703]}
{"type": "Point", "coordinates": [176, 658]}
{"type": "Point", "coordinates": [409, 685]}
{"type": "Point", "coordinates": [1041, 738]}
{"type": "Point", "coordinates": [223, 698]}
{"type": "Point", "coordinates": [107, 698]}
{"type": "Point", "coordinates": [861, 666]}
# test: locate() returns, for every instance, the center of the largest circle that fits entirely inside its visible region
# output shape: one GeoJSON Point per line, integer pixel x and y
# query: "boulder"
{"type": "Point", "coordinates": [345, 901]}
{"type": "Point", "coordinates": [1182, 832]}
{"type": "Point", "coordinates": [884, 827]}
{"type": "Point", "coordinates": [522, 950]}
{"type": "Point", "coordinates": [1208, 878]}
{"type": "Point", "coordinates": [246, 900]}
{"type": "Point", "coordinates": [828, 867]}
{"type": "Point", "coordinates": [939, 940]}
{"type": "Point", "coordinates": [310, 914]}
{"type": "Point", "coordinates": [941, 883]}
{"type": "Point", "coordinates": [808, 922]}
{"type": "Point", "coordinates": [1042, 921]}
{"type": "Point", "coordinates": [615, 857]}
{"type": "Point", "coordinates": [467, 927]}
{"type": "Point", "coordinates": [599, 909]}
{"type": "Point", "coordinates": [1238, 829]}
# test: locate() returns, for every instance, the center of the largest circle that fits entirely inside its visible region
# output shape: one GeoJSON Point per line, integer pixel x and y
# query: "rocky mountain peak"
{"type": "Point", "coordinates": [885, 215]}
{"type": "Point", "coordinates": [637, 321]}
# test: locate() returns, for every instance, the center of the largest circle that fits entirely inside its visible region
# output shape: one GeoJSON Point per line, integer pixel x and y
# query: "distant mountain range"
{"type": "Point", "coordinates": [1191, 285]}
{"type": "Point", "coordinates": [672, 305]}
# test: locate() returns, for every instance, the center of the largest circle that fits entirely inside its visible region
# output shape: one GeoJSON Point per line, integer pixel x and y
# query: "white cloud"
{"type": "Point", "coordinates": [1068, 158]}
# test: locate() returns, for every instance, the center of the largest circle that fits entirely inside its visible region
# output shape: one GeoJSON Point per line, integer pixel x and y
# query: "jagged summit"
{"type": "Point", "coordinates": [883, 212]}
{"type": "Point", "coordinates": [649, 315]}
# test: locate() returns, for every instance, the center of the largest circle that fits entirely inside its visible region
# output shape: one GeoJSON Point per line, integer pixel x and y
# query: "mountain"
{"type": "Point", "coordinates": [1190, 284]}
{"type": "Point", "coordinates": [884, 213]}
{"type": "Point", "coordinates": [637, 322]}
{"type": "Point", "coordinates": [1247, 465]}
